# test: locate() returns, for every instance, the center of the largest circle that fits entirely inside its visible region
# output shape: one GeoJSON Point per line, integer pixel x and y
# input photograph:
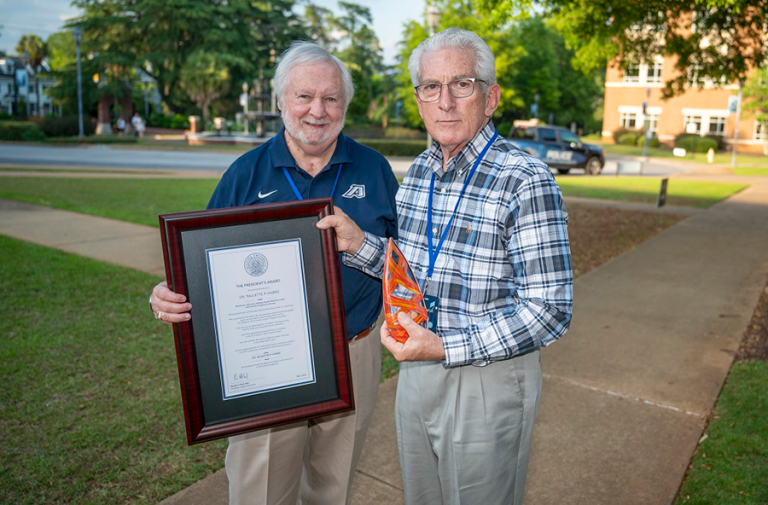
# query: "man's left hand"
{"type": "Point", "coordinates": [422, 344]}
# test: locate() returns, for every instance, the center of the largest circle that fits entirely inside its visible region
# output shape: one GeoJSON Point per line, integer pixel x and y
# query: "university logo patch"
{"type": "Point", "coordinates": [355, 191]}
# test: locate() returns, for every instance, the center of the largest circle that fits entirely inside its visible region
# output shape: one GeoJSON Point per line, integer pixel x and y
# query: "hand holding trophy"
{"type": "Point", "coordinates": [401, 292]}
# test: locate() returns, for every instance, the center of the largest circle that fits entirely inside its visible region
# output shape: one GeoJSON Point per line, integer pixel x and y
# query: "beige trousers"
{"type": "Point", "coordinates": [316, 457]}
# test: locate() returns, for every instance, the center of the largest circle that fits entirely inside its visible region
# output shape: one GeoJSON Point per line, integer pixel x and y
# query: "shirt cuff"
{"type": "Point", "coordinates": [458, 350]}
{"type": "Point", "coordinates": [369, 258]}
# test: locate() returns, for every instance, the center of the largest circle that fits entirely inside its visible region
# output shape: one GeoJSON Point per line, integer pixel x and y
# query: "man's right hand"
{"type": "Point", "coordinates": [170, 307]}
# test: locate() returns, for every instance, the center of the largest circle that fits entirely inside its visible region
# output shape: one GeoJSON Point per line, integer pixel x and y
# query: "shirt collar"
{"type": "Point", "coordinates": [281, 156]}
{"type": "Point", "coordinates": [462, 161]}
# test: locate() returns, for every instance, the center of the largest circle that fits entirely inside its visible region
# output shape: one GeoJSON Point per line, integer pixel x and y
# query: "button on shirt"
{"type": "Point", "coordinates": [365, 191]}
{"type": "Point", "coordinates": [503, 275]}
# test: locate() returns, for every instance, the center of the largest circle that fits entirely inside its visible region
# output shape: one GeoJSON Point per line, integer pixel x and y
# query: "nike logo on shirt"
{"type": "Point", "coordinates": [266, 195]}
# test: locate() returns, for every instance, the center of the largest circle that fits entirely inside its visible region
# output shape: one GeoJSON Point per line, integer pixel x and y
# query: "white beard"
{"type": "Point", "coordinates": [294, 130]}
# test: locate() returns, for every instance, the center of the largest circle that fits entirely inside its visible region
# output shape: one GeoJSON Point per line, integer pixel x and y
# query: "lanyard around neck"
{"type": "Point", "coordinates": [296, 190]}
{"type": "Point", "coordinates": [433, 254]}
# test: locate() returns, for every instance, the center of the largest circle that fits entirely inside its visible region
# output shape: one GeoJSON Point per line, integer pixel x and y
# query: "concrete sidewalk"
{"type": "Point", "coordinates": [627, 391]}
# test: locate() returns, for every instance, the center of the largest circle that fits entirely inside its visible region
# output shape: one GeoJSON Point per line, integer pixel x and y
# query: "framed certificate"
{"type": "Point", "coordinates": [267, 342]}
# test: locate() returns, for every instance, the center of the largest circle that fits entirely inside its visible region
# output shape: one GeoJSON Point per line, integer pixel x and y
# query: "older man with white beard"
{"type": "Point", "coordinates": [310, 158]}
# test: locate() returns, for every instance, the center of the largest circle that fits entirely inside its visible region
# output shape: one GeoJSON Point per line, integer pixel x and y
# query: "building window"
{"type": "Point", "coordinates": [653, 122]}
{"type": "Point", "coordinates": [761, 130]}
{"type": "Point", "coordinates": [632, 73]}
{"type": "Point", "coordinates": [654, 72]}
{"type": "Point", "coordinates": [717, 126]}
{"type": "Point", "coordinates": [692, 119]}
{"type": "Point", "coordinates": [629, 120]}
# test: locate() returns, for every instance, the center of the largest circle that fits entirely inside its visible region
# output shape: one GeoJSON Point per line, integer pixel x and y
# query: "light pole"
{"type": "Point", "coordinates": [25, 61]}
{"type": "Point", "coordinates": [646, 123]}
{"type": "Point", "coordinates": [433, 20]}
{"type": "Point", "coordinates": [78, 35]}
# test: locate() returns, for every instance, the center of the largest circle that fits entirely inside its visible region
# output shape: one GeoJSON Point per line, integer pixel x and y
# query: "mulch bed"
{"type": "Point", "coordinates": [755, 343]}
{"type": "Point", "coordinates": [598, 234]}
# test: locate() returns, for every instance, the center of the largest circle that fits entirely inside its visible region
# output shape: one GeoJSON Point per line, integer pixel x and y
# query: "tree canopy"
{"type": "Point", "coordinates": [720, 39]}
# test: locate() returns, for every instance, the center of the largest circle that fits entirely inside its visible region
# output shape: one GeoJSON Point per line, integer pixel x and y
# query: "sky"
{"type": "Point", "coordinates": [44, 17]}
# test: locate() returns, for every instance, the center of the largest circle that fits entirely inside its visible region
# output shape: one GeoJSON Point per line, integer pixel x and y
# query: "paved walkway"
{"type": "Point", "coordinates": [626, 392]}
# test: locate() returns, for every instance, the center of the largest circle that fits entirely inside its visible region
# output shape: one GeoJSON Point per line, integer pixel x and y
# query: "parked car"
{"type": "Point", "coordinates": [558, 148]}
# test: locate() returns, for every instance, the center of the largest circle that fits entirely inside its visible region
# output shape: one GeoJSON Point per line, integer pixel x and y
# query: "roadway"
{"type": "Point", "coordinates": [116, 157]}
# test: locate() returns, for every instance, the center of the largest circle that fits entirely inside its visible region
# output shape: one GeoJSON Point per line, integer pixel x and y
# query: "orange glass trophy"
{"type": "Point", "coordinates": [401, 292]}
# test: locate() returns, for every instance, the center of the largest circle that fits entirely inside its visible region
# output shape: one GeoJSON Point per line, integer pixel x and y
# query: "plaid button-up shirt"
{"type": "Point", "coordinates": [503, 275]}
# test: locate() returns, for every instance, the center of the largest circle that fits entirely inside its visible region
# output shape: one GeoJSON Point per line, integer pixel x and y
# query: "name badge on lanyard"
{"type": "Point", "coordinates": [431, 302]}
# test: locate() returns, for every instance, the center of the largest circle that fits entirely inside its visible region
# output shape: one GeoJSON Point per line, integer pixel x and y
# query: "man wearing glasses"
{"type": "Point", "coordinates": [484, 227]}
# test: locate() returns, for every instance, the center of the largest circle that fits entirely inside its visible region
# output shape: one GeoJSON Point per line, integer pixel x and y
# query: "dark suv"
{"type": "Point", "coordinates": [558, 148]}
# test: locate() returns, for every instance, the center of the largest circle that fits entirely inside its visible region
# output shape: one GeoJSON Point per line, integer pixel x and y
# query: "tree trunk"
{"type": "Point", "coordinates": [104, 126]}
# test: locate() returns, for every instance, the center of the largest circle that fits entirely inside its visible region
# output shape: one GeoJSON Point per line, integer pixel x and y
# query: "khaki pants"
{"type": "Point", "coordinates": [317, 457]}
{"type": "Point", "coordinates": [464, 434]}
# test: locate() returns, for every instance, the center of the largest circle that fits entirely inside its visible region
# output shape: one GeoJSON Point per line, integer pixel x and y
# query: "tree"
{"type": "Point", "coordinates": [361, 54]}
{"type": "Point", "coordinates": [720, 39]}
{"type": "Point", "coordinates": [756, 91]}
{"type": "Point", "coordinates": [319, 22]}
{"type": "Point", "coordinates": [159, 37]}
{"type": "Point", "coordinates": [36, 50]}
{"type": "Point", "coordinates": [205, 78]}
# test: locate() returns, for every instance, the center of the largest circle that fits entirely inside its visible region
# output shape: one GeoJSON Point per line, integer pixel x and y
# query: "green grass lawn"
{"type": "Point", "coordinates": [743, 160]}
{"type": "Point", "coordinates": [141, 200]}
{"type": "Point", "coordinates": [700, 194]}
{"type": "Point", "coordinates": [91, 409]}
{"type": "Point", "coordinates": [134, 200]}
{"type": "Point", "coordinates": [746, 170]}
{"type": "Point", "coordinates": [731, 464]}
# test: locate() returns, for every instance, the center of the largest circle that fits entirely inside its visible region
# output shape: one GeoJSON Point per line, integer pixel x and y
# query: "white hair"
{"type": "Point", "coordinates": [307, 53]}
{"type": "Point", "coordinates": [485, 61]}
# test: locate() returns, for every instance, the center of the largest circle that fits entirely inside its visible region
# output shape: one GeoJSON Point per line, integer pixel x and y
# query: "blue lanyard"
{"type": "Point", "coordinates": [296, 190]}
{"type": "Point", "coordinates": [433, 254]}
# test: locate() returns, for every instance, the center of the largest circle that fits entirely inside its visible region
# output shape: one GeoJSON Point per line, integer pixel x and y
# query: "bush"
{"type": "Point", "coordinates": [628, 139]}
{"type": "Point", "coordinates": [654, 142]}
{"type": "Point", "coordinates": [19, 130]}
{"type": "Point", "coordinates": [4, 116]}
{"type": "Point", "coordinates": [695, 143]}
{"type": "Point", "coordinates": [66, 126]}
{"type": "Point", "coordinates": [179, 122]}
{"type": "Point", "coordinates": [618, 132]}
{"type": "Point", "coordinates": [34, 135]}
{"type": "Point", "coordinates": [396, 147]}
{"type": "Point", "coordinates": [718, 139]}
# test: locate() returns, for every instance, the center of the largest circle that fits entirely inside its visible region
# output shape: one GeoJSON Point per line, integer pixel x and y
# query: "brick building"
{"type": "Point", "coordinates": [702, 104]}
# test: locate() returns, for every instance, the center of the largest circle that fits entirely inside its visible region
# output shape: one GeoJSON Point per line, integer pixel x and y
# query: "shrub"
{"type": "Point", "coordinates": [654, 142]}
{"type": "Point", "coordinates": [66, 126]}
{"type": "Point", "coordinates": [618, 132]}
{"type": "Point", "coordinates": [628, 139]}
{"type": "Point", "coordinates": [718, 139]}
{"type": "Point", "coordinates": [18, 130]}
{"type": "Point", "coordinates": [396, 147]}
{"type": "Point", "coordinates": [4, 116]}
{"type": "Point", "coordinates": [695, 143]}
{"type": "Point", "coordinates": [179, 122]}
{"type": "Point", "coordinates": [34, 135]}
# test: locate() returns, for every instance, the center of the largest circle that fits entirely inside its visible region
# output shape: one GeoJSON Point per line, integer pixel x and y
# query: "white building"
{"type": "Point", "coordinates": [22, 86]}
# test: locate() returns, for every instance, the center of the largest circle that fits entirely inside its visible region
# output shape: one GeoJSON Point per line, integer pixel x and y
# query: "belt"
{"type": "Point", "coordinates": [363, 333]}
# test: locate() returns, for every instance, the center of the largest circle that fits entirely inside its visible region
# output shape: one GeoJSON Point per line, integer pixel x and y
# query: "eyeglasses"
{"type": "Point", "coordinates": [459, 88]}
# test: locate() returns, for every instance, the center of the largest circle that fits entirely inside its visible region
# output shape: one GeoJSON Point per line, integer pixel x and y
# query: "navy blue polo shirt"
{"type": "Point", "coordinates": [365, 190]}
